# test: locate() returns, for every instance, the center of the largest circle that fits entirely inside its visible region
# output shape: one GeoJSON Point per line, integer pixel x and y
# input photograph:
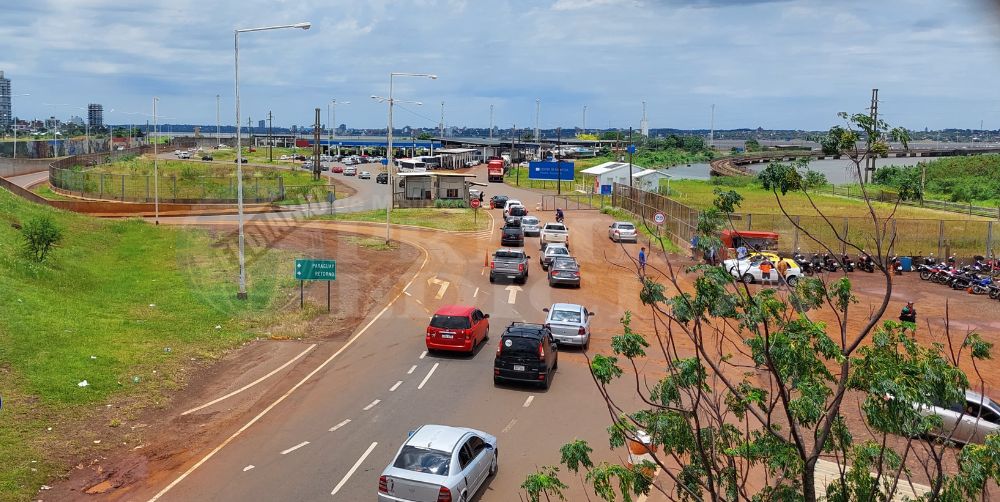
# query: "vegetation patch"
{"type": "Point", "coordinates": [459, 219]}
{"type": "Point", "coordinates": [974, 179]}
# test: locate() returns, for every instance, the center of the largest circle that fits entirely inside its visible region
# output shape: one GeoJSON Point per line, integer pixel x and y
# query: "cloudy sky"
{"type": "Point", "coordinates": [774, 64]}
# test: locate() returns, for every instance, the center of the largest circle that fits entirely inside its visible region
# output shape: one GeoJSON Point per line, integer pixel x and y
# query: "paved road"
{"type": "Point", "coordinates": [26, 180]}
{"type": "Point", "coordinates": [343, 424]}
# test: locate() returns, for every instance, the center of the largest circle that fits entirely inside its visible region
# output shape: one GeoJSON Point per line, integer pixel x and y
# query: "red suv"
{"type": "Point", "coordinates": [457, 328]}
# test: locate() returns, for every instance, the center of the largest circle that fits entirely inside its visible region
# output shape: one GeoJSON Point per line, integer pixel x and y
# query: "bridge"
{"type": "Point", "coordinates": [740, 166]}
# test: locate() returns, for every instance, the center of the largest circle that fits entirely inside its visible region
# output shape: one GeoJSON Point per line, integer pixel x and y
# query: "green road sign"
{"type": "Point", "coordinates": [315, 270]}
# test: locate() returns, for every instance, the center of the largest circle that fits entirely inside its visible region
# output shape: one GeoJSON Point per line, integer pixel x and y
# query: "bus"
{"type": "Point", "coordinates": [411, 165]}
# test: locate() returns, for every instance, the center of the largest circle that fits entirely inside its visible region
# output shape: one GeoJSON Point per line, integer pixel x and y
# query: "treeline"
{"type": "Point", "coordinates": [958, 179]}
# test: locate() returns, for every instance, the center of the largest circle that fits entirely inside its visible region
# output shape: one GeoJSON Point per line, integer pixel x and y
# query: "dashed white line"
{"type": "Point", "coordinates": [372, 404]}
{"type": "Point", "coordinates": [510, 425]}
{"type": "Point", "coordinates": [353, 468]}
{"type": "Point", "coordinates": [476, 293]}
{"type": "Point", "coordinates": [394, 387]}
{"type": "Point", "coordinates": [483, 272]}
{"type": "Point", "coordinates": [341, 424]}
{"type": "Point", "coordinates": [407, 293]}
{"type": "Point", "coordinates": [429, 373]}
{"type": "Point", "coordinates": [527, 402]}
{"type": "Point", "coordinates": [411, 369]}
{"type": "Point", "coordinates": [296, 447]}
{"type": "Point", "coordinates": [247, 468]}
{"type": "Point", "coordinates": [423, 354]}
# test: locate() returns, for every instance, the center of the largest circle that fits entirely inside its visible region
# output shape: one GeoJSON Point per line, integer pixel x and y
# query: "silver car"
{"type": "Point", "coordinates": [569, 323]}
{"type": "Point", "coordinates": [552, 251]}
{"type": "Point", "coordinates": [622, 231]}
{"type": "Point", "coordinates": [531, 225]}
{"type": "Point", "coordinates": [439, 462]}
{"type": "Point", "coordinates": [966, 422]}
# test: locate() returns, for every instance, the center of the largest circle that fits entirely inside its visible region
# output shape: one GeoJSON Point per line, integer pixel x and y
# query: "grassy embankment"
{"type": "Point", "coordinates": [123, 305]}
{"type": "Point", "coordinates": [458, 220]}
{"type": "Point", "coordinates": [974, 179]}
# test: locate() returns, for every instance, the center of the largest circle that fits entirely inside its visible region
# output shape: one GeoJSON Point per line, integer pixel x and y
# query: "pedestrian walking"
{"type": "Point", "coordinates": [642, 259]}
{"type": "Point", "coordinates": [909, 313]}
{"type": "Point", "coordinates": [694, 248]}
{"type": "Point", "coordinates": [782, 268]}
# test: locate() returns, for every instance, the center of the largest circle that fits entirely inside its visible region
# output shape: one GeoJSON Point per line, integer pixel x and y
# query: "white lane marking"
{"type": "Point", "coordinates": [251, 384]}
{"type": "Point", "coordinates": [296, 447]}
{"type": "Point", "coordinates": [372, 404]}
{"type": "Point", "coordinates": [394, 387]}
{"type": "Point", "coordinates": [429, 373]}
{"type": "Point", "coordinates": [341, 424]}
{"type": "Point", "coordinates": [510, 425]}
{"type": "Point", "coordinates": [353, 468]}
{"type": "Point", "coordinates": [407, 293]}
{"type": "Point", "coordinates": [476, 293]}
{"type": "Point", "coordinates": [483, 272]}
{"type": "Point", "coordinates": [247, 468]}
{"type": "Point", "coordinates": [439, 282]}
{"type": "Point", "coordinates": [284, 396]}
{"type": "Point", "coordinates": [418, 301]}
{"type": "Point", "coordinates": [512, 293]}
{"type": "Point", "coordinates": [423, 354]}
{"type": "Point", "coordinates": [411, 369]}
{"type": "Point", "coordinates": [527, 402]}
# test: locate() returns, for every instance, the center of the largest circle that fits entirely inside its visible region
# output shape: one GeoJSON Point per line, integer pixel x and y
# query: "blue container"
{"type": "Point", "coordinates": [906, 263]}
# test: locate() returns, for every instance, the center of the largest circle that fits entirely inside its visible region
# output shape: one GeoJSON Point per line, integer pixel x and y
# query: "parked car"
{"type": "Point", "coordinates": [511, 236]}
{"type": "Point", "coordinates": [526, 352]}
{"type": "Point", "coordinates": [350, 171]}
{"type": "Point", "coordinates": [498, 201]}
{"type": "Point", "coordinates": [564, 270]}
{"type": "Point", "coordinates": [440, 463]}
{"type": "Point", "coordinates": [365, 175]}
{"type": "Point", "coordinates": [965, 422]}
{"type": "Point", "coordinates": [551, 252]}
{"type": "Point", "coordinates": [748, 269]}
{"type": "Point", "coordinates": [457, 328]}
{"type": "Point", "coordinates": [531, 226]}
{"type": "Point", "coordinates": [338, 169]}
{"type": "Point", "coordinates": [207, 157]}
{"type": "Point", "coordinates": [184, 154]}
{"type": "Point", "coordinates": [382, 178]}
{"type": "Point", "coordinates": [554, 233]}
{"type": "Point", "coordinates": [623, 231]}
{"type": "Point", "coordinates": [569, 324]}
{"type": "Point", "coordinates": [511, 264]}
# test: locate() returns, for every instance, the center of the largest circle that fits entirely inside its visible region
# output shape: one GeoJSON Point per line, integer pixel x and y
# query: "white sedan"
{"type": "Point", "coordinates": [622, 231]}
{"type": "Point", "coordinates": [439, 462]}
{"type": "Point", "coordinates": [748, 270]}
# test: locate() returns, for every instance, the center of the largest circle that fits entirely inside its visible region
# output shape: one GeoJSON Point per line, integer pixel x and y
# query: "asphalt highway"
{"type": "Point", "coordinates": [346, 412]}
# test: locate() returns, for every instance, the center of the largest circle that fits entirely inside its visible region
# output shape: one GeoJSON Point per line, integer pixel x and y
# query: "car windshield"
{"type": "Point", "coordinates": [529, 220]}
{"type": "Point", "coordinates": [565, 264]}
{"type": "Point", "coordinates": [518, 211]}
{"type": "Point", "coordinates": [572, 316]}
{"type": "Point", "coordinates": [450, 322]}
{"type": "Point", "coordinates": [413, 458]}
{"type": "Point", "coordinates": [553, 250]}
{"type": "Point", "coordinates": [519, 345]}
{"type": "Point", "coordinates": [555, 226]}
{"type": "Point", "coordinates": [508, 254]}
{"type": "Point", "coordinates": [626, 226]}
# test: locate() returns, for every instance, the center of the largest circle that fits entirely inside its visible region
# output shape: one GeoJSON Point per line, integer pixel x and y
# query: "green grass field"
{"type": "Point", "coordinates": [437, 218]}
{"type": "Point", "coordinates": [121, 304]}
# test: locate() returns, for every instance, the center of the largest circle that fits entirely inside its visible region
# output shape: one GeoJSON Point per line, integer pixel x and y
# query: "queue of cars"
{"type": "Point", "coordinates": [555, 259]}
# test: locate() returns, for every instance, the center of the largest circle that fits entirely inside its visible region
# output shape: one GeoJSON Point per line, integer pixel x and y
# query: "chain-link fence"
{"type": "Point", "coordinates": [87, 183]}
{"type": "Point", "coordinates": [809, 233]}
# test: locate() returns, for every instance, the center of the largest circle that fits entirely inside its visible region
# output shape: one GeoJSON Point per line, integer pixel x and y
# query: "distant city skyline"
{"type": "Point", "coordinates": [771, 64]}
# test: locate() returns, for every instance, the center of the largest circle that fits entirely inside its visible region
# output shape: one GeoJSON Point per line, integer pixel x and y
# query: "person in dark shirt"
{"type": "Point", "coordinates": [909, 313]}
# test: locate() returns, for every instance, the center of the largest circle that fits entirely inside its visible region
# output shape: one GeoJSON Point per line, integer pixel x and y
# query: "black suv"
{"type": "Point", "coordinates": [382, 178]}
{"type": "Point", "coordinates": [526, 353]}
{"type": "Point", "coordinates": [497, 201]}
{"type": "Point", "coordinates": [512, 236]}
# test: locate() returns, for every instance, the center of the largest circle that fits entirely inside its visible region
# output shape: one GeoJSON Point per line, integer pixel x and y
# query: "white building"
{"type": "Point", "coordinates": [649, 179]}
{"type": "Point", "coordinates": [602, 177]}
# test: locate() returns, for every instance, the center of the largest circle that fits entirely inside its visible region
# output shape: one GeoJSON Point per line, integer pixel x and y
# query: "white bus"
{"type": "Point", "coordinates": [411, 165]}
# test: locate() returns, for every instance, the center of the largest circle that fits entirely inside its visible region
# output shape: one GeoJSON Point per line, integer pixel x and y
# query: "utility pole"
{"type": "Point", "coordinates": [869, 159]}
{"type": "Point", "coordinates": [629, 148]}
{"type": "Point", "coordinates": [441, 124]}
{"type": "Point", "coordinates": [711, 134]}
{"type": "Point", "coordinates": [218, 127]}
{"type": "Point", "coordinates": [538, 107]}
{"type": "Point", "coordinates": [491, 122]}
{"type": "Point", "coordinates": [559, 160]}
{"type": "Point", "coordinates": [270, 137]}
{"type": "Point", "coordinates": [644, 125]}
{"type": "Point", "coordinates": [584, 119]}
{"type": "Point", "coordinates": [316, 147]}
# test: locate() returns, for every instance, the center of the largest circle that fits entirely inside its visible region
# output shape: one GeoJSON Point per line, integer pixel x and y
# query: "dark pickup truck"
{"type": "Point", "coordinates": [509, 264]}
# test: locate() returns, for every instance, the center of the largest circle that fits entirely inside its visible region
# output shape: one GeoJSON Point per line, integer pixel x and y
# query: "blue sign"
{"type": "Point", "coordinates": [605, 189]}
{"type": "Point", "coordinates": [551, 170]}
{"type": "Point", "coordinates": [631, 149]}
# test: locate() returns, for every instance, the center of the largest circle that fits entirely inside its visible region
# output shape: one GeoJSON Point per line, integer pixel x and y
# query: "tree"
{"type": "Point", "coordinates": [40, 234]}
{"type": "Point", "coordinates": [425, 136]}
{"type": "Point", "coordinates": [752, 145]}
{"type": "Point", "coordinates": [830, 143]}
{"type": "Point", "coordinates": [758, 383]}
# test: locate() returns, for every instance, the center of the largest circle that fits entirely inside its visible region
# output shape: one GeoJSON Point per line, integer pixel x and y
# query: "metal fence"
{"type": "Point", "coordinates": [83, 182]}
{"type": "Point", "coordinates": [577, 201]}
{"type": "Point", "coordinates": [892, 197]}
{"type": "Point", "coordinates": [908, 237]}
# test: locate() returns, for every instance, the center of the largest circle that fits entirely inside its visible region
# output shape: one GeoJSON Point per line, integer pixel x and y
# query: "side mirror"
{"type": "Point", "coordinates": [527, 257]}
{"type": "Point", "coordinates": [591, 314]}
{"type": "Point", "coordinates": [486, 316]}
{"type": "Point", "coordinates": [546, 309]}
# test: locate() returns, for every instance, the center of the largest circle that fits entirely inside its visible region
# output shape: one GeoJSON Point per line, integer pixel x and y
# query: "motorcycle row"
{"type": "Point", "coordinates": [979, 278]}
{"type": "Point", "coordinates": [827, 262]}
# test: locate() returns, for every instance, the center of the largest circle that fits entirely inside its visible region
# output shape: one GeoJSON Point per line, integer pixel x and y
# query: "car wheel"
{"type": "Point", "coordinates": [551, 285]}
{"type": "Point", "coordinates": [747, 279]}
{"type": "Point", "coordinates": [492, 279]}
{"type": "Point", "coordinates": [792, 280]}
{"type": "Point", "coordinates": [496, 381]}
{"type": "Point", "coordinates": [495, 466]}
{"type": "Point", "coordinates": [547, 382]}
{"type": "Point", "coordinates": [555, 365]}
{"type": "Point", "coordinates": [586, 345]}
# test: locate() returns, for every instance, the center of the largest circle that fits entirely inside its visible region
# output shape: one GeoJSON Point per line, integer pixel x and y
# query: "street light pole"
{"type": "Point", "coordinates": [333, 125]}
{"type": "Point", "coordinates": [156, 172]}
{"type": "Point", "coordinates": [218, 127]}
{"type": "Point", "coordinates": [491, 122]}
{"type": "Point", "coordinates": [389, 152]}
{"type": "Point", "coordinates": [242, 293]}
{"type": "Point", "coordinates": [584, 119]}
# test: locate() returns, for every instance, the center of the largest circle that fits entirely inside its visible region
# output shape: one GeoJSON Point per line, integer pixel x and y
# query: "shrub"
{"type": "Point", "coordinates": [40, 234]}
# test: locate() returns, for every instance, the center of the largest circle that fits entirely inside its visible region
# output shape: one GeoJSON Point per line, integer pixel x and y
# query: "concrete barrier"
{"type": "Point", "coordinates": [17, 167]}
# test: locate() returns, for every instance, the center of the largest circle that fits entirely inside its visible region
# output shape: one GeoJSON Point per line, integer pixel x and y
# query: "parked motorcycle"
{"type": "Point", "coordinates": [830, 263]}
{"type": "Point", "coordinates": [847, 263]}
{"type": "Point", "coordinates": [804, 264]}
{"type": "Point", "coordinates": [866, 263]}
{"type": "Point", "coordinates": [982, 286]}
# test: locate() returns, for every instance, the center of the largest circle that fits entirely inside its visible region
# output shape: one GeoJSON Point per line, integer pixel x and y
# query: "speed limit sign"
{"type": "Point", "coordinates": [658, 218]}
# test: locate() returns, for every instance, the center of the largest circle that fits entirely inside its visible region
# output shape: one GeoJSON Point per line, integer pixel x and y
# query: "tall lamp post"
{"type": "Point", "coordinates": [156, 172]}
{"type": "Point", "coordinates": [389, 164]}
{"type": "Point", "coordinates": [242, 293]}
{"type": "Point", "coordinates": [333, 124]}
{"type": "Point", "coordinates": [13, 122]}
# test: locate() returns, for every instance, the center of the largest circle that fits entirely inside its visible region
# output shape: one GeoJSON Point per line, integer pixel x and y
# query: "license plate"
{"type": "Point", "coordinates": [518, 367]}
{"type": "Point", "coordinates": [447, 336]}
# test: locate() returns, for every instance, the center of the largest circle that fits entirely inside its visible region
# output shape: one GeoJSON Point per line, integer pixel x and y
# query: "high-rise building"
{"type": "Point", "coordinates": [95, 115]}
{"type": "Point", "coordinates": [6, 117]}
{"type": "Point", "coordinates": [261, 124]}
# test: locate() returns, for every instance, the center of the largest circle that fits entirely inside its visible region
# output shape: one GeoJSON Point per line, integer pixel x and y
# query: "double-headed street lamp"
{"type": "Point", "coordinates": [242, 293]}
{"type": "Point", "coordinates": [11, 118]}
{"type": "Point", "coordinates": [389, 164]}
{"type": "Point", "coordinates": [333, 125]}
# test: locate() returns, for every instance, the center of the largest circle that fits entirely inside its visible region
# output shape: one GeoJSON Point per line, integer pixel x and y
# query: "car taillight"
{"type": "Point", "coordinates": [383, 484]}
{"type": "Point", "coordinates": [444, 495]}
{"type": "Point", "coordinates": [520, 267]}
{"type": "Point", "coordinates": [581, 331]}
{"type": "Point", "coordinates": [499, 347]}
{"type": "Point", "coordinates": [493, 264]}
{"type": "Point", "coordinates": [541, 351]}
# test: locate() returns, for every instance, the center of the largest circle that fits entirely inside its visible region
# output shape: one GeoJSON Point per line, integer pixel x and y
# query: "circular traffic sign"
{"type": "Point", "coordinates": [474, 203]}
{"type": "Point", "coordinates": [658, 218]}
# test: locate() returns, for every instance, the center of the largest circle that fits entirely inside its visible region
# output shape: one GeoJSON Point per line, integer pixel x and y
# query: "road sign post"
{"type": "Point", "coordinates": [475, 210]}
{"type": "Point", "coordinates": [658, 218]}
{"type": "Point", "coordinates": [315, 270]}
